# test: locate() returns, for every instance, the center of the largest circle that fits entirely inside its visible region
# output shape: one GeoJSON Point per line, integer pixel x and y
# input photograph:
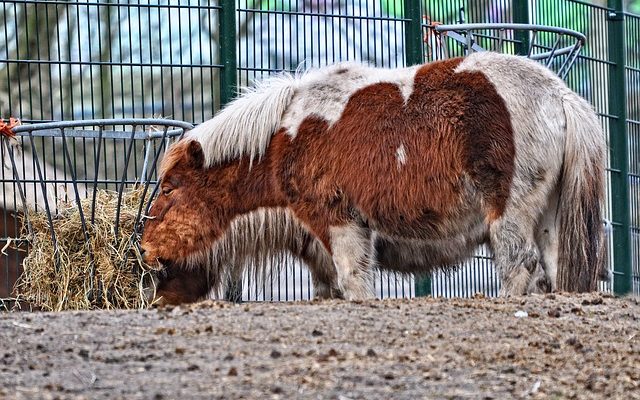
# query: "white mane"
{"type": "Point", "coordinates": [245, 126]}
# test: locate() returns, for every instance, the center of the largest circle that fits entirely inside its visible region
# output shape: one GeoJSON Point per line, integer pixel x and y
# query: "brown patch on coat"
{"type": "Point", "coordinates": [454, 128]}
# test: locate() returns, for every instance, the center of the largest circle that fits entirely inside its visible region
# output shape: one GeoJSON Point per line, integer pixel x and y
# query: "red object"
{"type": "Point", "coordinates": [6, 129]}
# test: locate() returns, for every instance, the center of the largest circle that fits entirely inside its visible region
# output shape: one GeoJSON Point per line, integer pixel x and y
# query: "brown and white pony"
{"type": "Point", "coordinates": [352, 167]}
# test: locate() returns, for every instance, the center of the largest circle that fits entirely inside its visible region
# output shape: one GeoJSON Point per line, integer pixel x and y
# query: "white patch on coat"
{"type": "Point", "coordinates": [401, 156]}
{"type": "Point", "coordinates": [552, 126]}
{"type": "Point", "coordinates": [533, 96]}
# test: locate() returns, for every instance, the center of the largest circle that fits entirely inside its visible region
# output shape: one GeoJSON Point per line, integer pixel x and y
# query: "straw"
{"type": "Point", "coordinates": [121, 280]}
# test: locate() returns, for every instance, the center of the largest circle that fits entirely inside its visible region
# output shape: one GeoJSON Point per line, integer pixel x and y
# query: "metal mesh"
{"type": "Point", "coordinates": [59, 163]}
{"type": "Point", "coordinates": [64, 60]}
{"type": "Point", "coordinates": [80, 60]}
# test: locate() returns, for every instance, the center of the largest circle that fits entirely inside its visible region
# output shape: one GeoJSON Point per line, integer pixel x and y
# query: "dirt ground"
{"type": "Point", "coordinates": [565, 347]}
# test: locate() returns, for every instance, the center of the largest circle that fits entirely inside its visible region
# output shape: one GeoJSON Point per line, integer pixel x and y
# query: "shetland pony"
{"type": "Point", "coordinates": [405, 169]}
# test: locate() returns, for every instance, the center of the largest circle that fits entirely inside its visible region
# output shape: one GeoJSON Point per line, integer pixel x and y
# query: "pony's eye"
{"type": "Point", "coordinates": [166, 190]}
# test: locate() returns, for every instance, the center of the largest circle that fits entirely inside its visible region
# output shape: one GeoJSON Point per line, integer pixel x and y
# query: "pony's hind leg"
{"type": "Point", "coordinates": [548, 240]}
{"type": "Point", "coordinates": [352, 249]}
{"type": "Point", "coordinates": [516, 256]}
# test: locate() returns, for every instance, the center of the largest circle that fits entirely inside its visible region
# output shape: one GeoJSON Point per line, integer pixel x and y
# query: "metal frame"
{"type": "Point", "coordinates": [188, 75]}
{"type": "Point", "coordinates": [464, 34]}
{"type": "Point", "coordinates": [163, 131]}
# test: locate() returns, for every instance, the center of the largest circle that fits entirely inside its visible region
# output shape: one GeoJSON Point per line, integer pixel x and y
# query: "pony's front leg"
{"type": "Point", "coordinates": [323, 271]}
{"type": "Point", "coordinates": [352, 252]}
{"type": "Point", "coordinates": [345, 237]}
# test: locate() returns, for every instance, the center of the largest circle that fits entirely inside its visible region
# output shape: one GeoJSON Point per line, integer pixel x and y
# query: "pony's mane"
{"type": "Point", "coordinates": [245, 126]}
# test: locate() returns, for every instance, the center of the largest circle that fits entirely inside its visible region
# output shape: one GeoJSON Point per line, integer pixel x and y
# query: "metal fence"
{"type": "Point", "coordinates": [632, 75]}
{"type": "Point", "coordinates": [177, 59]}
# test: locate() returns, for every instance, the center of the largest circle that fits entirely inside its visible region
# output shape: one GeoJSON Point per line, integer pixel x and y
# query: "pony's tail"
{"type": "Point", "coordinates": [581, 234]}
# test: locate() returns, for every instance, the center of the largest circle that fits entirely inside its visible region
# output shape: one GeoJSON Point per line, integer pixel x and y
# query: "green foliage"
{"type": "Point", "coordinates": [273, 5]}
{"type": "Point", "coordinates": [562, 13]}
{"type": "Point", "coordinates": [393, 8]}
{"type": "Point", "coordinates": [446, 12]}
{"type": "Point", "coordinates": [276, 5]}
{"type": "Point", "coordinates": [633, 6]}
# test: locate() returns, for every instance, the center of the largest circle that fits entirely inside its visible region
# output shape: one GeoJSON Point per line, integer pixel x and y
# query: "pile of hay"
{"type": "Point", "coordinates": [63, 280]}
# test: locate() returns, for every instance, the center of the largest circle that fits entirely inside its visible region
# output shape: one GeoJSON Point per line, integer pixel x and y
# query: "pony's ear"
{"type": "Point", "coordinates": [195, 155]}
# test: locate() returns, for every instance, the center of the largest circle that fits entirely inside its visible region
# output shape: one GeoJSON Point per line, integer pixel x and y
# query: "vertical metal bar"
{"type": "Point", "coordinates": [534, 36]}
{"type": "Point", "coordinates": [147, 179]}
{"type": "Point", "coordinates": [552, 53]}
{"type": "Point", "coordinates": [619, 147]}
{"type": "Point", "coordinates": [96, 173]}
{"type": "Point", "coordinates": [521, 16]}
{"type": "Point", "coordinates": [46, 200]}
{"type": "Point", "coordinates": [228, 75]}
{"type": "Point", "coordinates": [414, 56]}
{"type": "Point", "coordinates": [228, 85]}
{"type": "Point", "coordinates": [413, 33]}
{"type": "Point", "coordinates": [16, 177]}
{"type": "Point", "coordinates": [123, 181]}
{"type": "Point", "coordinates": [498, 47]}
{"type": "Point", "coordinates": [423, 285]}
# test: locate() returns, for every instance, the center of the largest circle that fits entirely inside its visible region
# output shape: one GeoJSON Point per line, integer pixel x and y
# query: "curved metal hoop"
{"type": "Point", "coordinates": [557, 48]}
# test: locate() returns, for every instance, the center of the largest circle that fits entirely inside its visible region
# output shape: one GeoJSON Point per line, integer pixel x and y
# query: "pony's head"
{"type": "Point", "coordinates": [191, 211]}
{"type": "Point", "coordinates": [200, 189]}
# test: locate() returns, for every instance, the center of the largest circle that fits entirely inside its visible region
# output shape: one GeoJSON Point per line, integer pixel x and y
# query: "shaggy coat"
{"type": "Point", "coordinates": [408, 169]}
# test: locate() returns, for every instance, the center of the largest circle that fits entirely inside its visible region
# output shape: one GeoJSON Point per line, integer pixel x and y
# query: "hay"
{"type": "Point", "coordinates": [63, 280]}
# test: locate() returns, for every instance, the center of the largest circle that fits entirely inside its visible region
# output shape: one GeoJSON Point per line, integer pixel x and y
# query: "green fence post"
{"type": "Point", "coordinates": [413, 32]}
{"type": "Point", "coordinates": [413, 47]}
{"type": "Point", "coordinates": [228, 86]}
{"type": "Point", "coordinates": [228, 74]}
{"type": "Point", "coordinates": [520, 10]}
{"type": "Point", "coordinates": [619, 150]}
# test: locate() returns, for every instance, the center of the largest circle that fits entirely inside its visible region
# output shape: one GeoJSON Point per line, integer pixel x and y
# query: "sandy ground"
{"type": "Point", "coordinates": [565, 347]}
